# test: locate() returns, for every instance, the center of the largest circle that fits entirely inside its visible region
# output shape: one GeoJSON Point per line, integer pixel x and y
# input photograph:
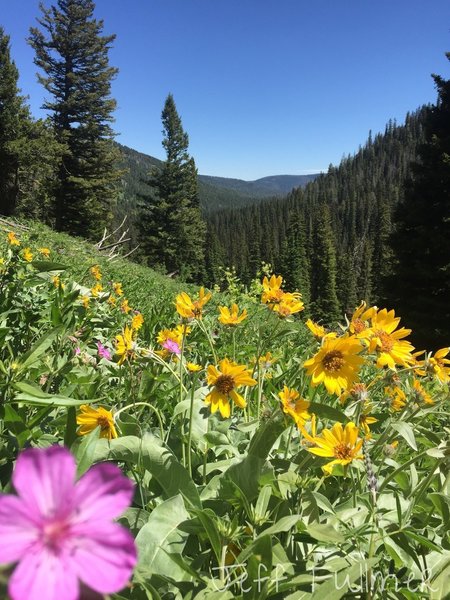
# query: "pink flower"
{"type": "Point", "coordinates": [61, 532]}
{"type": "Point", "coordinates": [103, 352]}
{"type": "Point", "coordinates": [171, 346]}
{"type": "Point", "coordinates": [77, 350]}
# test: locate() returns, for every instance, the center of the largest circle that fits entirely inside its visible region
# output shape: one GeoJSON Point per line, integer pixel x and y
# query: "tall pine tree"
{"type": "Point", "coordinates": [73, 55]}
{"type": "Point", "coordinates": [420, 287]}
{"type": "Point", "coordinates": [13, 113]}
{"type": "Point", "coordinates": [172, 228]}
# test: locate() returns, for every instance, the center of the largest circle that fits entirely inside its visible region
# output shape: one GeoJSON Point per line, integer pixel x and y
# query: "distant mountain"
{"type": "Point", "coordinates": [216, 193]}
{"type": "Point", "coordinates": [274, 185]}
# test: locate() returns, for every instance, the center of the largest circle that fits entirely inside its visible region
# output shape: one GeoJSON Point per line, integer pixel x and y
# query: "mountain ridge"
{"type": "Point", "coordinates": [216, 193]}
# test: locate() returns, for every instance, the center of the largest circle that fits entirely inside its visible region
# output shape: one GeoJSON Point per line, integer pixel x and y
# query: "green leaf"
{"type": "Point", "coordinates": [339, 584]}
{"type": "Point", "coordinates": [161, 535]}
{"type": "Point", "coordinates": [407, 433]}
{"type": "Point", "coordinates": [33, 395]}
{"type": "Point", "coordinates": [84, 450]}
{"type": "Point", "coordinates": [328, 412]}
{"type": "Point", "coordinates": [246, 473]}
{"type": "Point", "coordinates": [38, 349]}
{"type": "Point", "coordinates": [156, 458]}
{"type": "Point", "coordinates": [43, 266]}
{"type": "Point", "coordinates": [206, 518]}
{"type": "Point", "coordinates": [324, 532]}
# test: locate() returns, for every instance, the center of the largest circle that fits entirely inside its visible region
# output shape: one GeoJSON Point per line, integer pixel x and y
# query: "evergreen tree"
{"type": "Point", "coordinates": [172, 228]}
{"type": "Point", "coordinates": [294, 263]}
{"type": "Point", "coordinates": [73, 55]}
{"type": "Point", "coordinates": [13, 113]}
{"type": "Point", "coordinates": [420, 287]}
{"type": "Point", "coordinates": [325, 304]}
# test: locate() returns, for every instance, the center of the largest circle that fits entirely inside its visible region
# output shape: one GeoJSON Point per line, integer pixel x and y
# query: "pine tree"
{"type": "Point", "coordinates": [73, 55]}
{"type": "Point", "coordinates": [13, 113]}
{"type": "Point", "coordinates": [325, 304]}
{"type": "Point", "coordinates": [420, 287]}
{"type": "Point", "coordinates": [294, 264]}
{"type": "Point", "coordinates": [172, 228]}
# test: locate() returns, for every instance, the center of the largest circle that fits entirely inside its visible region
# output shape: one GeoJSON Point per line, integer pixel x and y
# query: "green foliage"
{"type": "Point", "coordinates": [420, 285]}
{"type": "Point", "coordinates": [224, 507]}
{"type": "Point", "coordinates": [360, 195]}
{"type": "Point", "coordinates": [73, 56]}
{"type": "Point", "coordinates": [172, 229]}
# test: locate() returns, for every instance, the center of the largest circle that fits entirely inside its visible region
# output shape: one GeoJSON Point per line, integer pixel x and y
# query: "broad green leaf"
{"type": "Point", "coordinates": [328, 412]}
{"type": "Point", "coordinates": [340, 583]}
{"type": "Point", "coordinates": [161, 535]}
{"type": "Point", "coordinates": [38, 349]}
{"type": "Point", "coordinates": [156, 458]}
{"type": "Point", "coordinates": [407, 433]}
{"type": "Point", "coordinates": [324, 532]}
{"type": "Point", "coordinates": [43, 266]}
{"type": "Point", "coordinates": [28, 394]}
{"type": "Point", "coordinates": [246, 473]}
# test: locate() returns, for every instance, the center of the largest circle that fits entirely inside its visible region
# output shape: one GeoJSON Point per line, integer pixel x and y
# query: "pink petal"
{"type": "Point", "coordinates": [103, 493]}
{"type": "Point", "coordinates": [18, 532]}
{"type": "Point", "coordinates": [43, 575]}
{"type": "Point", "coordinates": [105, 561]}
{"type": "Point", "coordinates": [44, 479]}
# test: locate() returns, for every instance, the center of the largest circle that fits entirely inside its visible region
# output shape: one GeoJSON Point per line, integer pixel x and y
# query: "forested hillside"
{"type": "Point", "coordinates": [330, 239]}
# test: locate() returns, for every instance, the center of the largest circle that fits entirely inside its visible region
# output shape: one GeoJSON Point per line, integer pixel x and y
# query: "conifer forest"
{"type": "Point", "coordinates": [205, 391]}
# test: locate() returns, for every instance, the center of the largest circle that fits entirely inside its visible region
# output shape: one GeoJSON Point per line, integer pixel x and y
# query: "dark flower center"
{"type": "Point", "coordinates": [103, 422]}
{"type": "Point", "coordinates": [225, 384]}
{"type": "Point", "coordinates": [387, 343]}
{"type": "Point", "coordinates": [343, 451]}
{"type": "Point", "coordinates": [333, 361]}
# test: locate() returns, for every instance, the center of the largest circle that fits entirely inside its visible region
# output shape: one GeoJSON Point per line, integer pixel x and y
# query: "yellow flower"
{"type": "Point", "coordinates": [125, 344]}
{"type": "Point", "coordinates": [437, 365]}
{"type": "Point", "coordinates": [175, 335]}
{"type": "Point", "coordinates": [137, 321]}
{"type": "Point", "coordinates": [365, 421]}
{"type": "Point", "coordinates": [57, 282]}
{"type": "Point", "coordinates": [420, 395]}
{"type": "Point", "coordinates": [191, 309]}
{"type": "Point", "coordinates": [272, 292]}
{"type": "Point", "coordinates": [112, 300]}
{"type": "Point", "coordinates": [341, 444]}
{"type": "Point", "coordinates": [396, 396]}
{"type": "Point", "coordinates": [27, 254]}
{"type": "Point", "coordinates": [336, 364]}
{"type": "Point", "coordinates": [91, 418]}
{"type": "Point", "coordinates": [85, 301]}
{"type": "Point", "coordinates": [391, 349]}
{"type": "Point", "coordinates": [193, 367]}
{"type": "Point", "coordinates": [294, 406]}
{"type": "Point", "coordinates": [95, 291]}
{"type": "Point", "coordinates": [317, 330]}
{"type": "Point", "coordinates": [289, 304]}
{"type": "Point", "coordinates": [95, 272]}
{"type": "Point", "coordinates": [118, 289]}
{"type": "Point", "coordinates": [125, 307]}
{"type": "Point", "coordinates": [231, 317]}
{"type": "Point", "coordinates": [266, 361]}
{"type": "Point", "coordinates": [359, 323]}
{"type": "Point", "coordinates": [45, 252]}
{"type": "Point", "coordinates": [283, 303]}
{"type": "Point", "coordinates": [12, 240]}
{"type": "Point", "coordinates": [225, 380]}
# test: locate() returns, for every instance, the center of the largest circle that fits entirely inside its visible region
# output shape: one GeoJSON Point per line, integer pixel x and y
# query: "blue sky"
{"type": "Point", "coordinates": [263, 87]}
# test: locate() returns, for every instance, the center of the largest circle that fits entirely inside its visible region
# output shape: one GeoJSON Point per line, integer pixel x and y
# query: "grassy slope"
{"type": "Point", "coordinates": [146, 289]}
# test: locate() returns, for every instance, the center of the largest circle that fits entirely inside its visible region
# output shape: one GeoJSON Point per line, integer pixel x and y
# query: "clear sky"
{"type": "Point", "coordinates": [263, 87]}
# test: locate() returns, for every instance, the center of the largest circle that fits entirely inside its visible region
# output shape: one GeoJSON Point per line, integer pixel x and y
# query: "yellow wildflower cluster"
{"type": "Point", "coordinates": [283, 303]}
{"type": "Point", "coordinates": [191, 309]}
